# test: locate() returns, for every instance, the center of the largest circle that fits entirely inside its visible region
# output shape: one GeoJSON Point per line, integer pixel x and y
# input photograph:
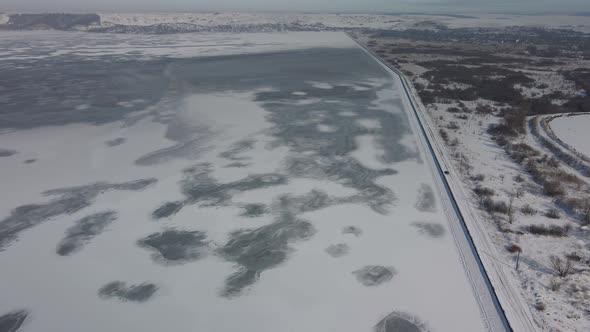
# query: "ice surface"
{"type": "Point", "coordinates": [12, 321]}
{"type": "Point", "coordinates": [236, 208]}
{"type": "Point", "coordinates": [573, 130]}
{"type": "Point", "coordinates": [134, 293]}
{"type": "Point", "coordinates": [374, 275]}
{"type": "Point", "coordinates": [84, 230]}
{"type": "Point", "coordinates": [337, 250]}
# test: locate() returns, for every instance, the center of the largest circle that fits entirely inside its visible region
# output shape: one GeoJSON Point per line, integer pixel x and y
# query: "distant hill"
{"type": "Point", "coordinates": [51, 21]}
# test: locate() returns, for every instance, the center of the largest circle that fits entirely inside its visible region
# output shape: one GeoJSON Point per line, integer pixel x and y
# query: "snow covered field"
{"type": "Point", "coordinates": [373, 21]}
{"type": "Point", "coordinates": [145, 188]}
{"type": "Point", "coordinates": [573, 130]}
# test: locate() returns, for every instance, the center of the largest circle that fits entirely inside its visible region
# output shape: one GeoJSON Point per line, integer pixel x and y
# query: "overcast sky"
{"type": "Point", "coordinates": [504, 6]}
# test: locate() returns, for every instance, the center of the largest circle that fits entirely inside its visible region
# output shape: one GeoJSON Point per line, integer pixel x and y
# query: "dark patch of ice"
{"type": "Point", "coordinates": [51, 94]}
{"type": "Point", "coordinates": [70, 200]}
{"type": "Point", "coordinates": [337, 250]}
{"type": "Point", "coordinates": [29, 161]}
{"type": "Point", "coordinates": [11, 322]}
{"type": "Point", "coordinates": [85, 230]}
{"type": "Point", "coordinates": [373, 275]}
{"type": "Point", "coordinates": [192, 140]}
{"type": "Point", "coordinates": [400, 322]}
{"type": "Point", "coordinates": [350, 173]}
{"type": "Point", "coordinates": [426, 200]}
{"type": "Point", "coordinates": [312, 201]}
{"type": "Point", "coordinates": [7, 152]}
{"type": "Point", "coordinates": [352, 230]}
{"type": "Point", "coordinates": [167, 209]}
{"type": "Point", "coordinates": [133, 293]}
{"type": "Point", "coordinates": [115, 142]}
{"type": "Point", "coordinates": [233, 153]}
{"type": "Point", "coordinates": [200, 187]}
{"type": "Point", "coordinates": [174, 246]}
{"type": "Point", "coordinates": [254, 210]}
{"type": "Point", "coordinates": [263, 248]}
{"type": "Point", "coordinates": [237, 165]}
{"type": "Point", "coordinates": [431, 229]}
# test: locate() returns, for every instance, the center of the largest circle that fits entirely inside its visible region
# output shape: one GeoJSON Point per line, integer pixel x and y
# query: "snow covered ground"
{"type": "Point", "coordinates": [534, 297]}
{"type": "Point", "coordinates": [374, 21]}
{"type": "Point", "coordinates": [284, 190]}
{"type": "Point", "coordinates": [156, 23]}
{"type": "Point", "coordinates": [573, 130]}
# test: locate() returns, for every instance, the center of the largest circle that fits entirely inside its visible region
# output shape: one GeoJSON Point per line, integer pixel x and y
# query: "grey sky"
{"type": "Point", "coordinates": [466, 6]}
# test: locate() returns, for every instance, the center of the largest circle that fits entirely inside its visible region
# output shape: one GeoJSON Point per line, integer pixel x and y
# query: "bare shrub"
{"type": "Point", "coordinates": [540, 306]}
{"type": "Point", "coordinates": [554, 284]}
{"type": "Point", "coordinates": [453, 125]}
{"type": "Point", "coordinates": [492, 206]}
{"type": "Point", "coordinates": [552, 188]}
{"type": "Point", "coordinates": [478, 177]}
{"type": "Point", "coordinates": [464, 164]}
{"type": "Point", "coordinates": [454, 142]}
{"type": "Point", "coordinates": [552, 213]}
{"type": "Point", "coordinates": [569, 203]}
{"type": "Point", "coordinates": [553, 162]}
{"type": "Point", "coordinates": [444, 135]}
{"type": "Point", "coordinates": [501, 140]}
{"type": "Point", "coordinates": [519, 178]}
{"type": "Point", "coordinates": [561, 267]}
{"type": "Point", "coordinates": [553, 230]}
{"type": "Point", "coordinates": [520, 152]}
{"type": "Point", "coordinates": [513, 248]}
{"type": "Point", "coordinates": [573, 256]}
{"type": "Point", "coordinates": [454, 110]}
{"type": "Point", "coordinates": [528, 210]}
{"type": "Point", "coordinates": [483, 191]}
{"type": "Point", "coordinates": [462, 116]}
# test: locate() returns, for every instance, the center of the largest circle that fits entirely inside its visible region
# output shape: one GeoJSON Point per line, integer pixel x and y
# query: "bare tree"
{"type": "Point", "coordinates": [515, 249]}
{"type": "Point", "coordinates": [518, 193]}
{"type": "Point", "coordinates": [585, 211]}
{"type": "Point", "coordinates": [510, 211]}
{"type": "Point", "coordinates": [561, 267]}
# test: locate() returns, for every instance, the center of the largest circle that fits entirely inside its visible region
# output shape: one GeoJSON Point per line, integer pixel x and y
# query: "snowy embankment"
{"type": "Point", "coordinates": [466, 232]}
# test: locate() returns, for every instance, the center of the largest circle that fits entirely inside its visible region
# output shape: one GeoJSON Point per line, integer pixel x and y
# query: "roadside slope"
{"type": "Point", "coordinates": [503, 307]}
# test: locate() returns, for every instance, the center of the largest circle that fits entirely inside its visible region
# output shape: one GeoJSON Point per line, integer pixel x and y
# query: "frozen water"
{"type": "Point", "coordinates": [374, 275]}
{"type": "Point", "coordinates": [400, 322]}
{"type": "Point", "coordinates": [425, 202]}
{"type": "Point", "coordinates": [85, 229]}
{"type": "Point", "coordinates": [11, 322]}
{"type": "Point", "coordinates": [115, 141]}
{"type": "Point", "coordinates": [254, 210]}
{"type": "Point", "coordinates": [266, 180]}
{"type": "Point", "coordinates": [71, 200]}
{"type": "Point", "coordinates": [431, 229]}
{"type": "Point", "coordinates": [133, 293]}
{"type": "Point", "coordinates": [337, 250]}
{"type": "Point", "coordinates": [7, 152]}
{"type": "Point", "coordinates": [174, 246]}
{"type": "Point", "coordinates": [352, 230]}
